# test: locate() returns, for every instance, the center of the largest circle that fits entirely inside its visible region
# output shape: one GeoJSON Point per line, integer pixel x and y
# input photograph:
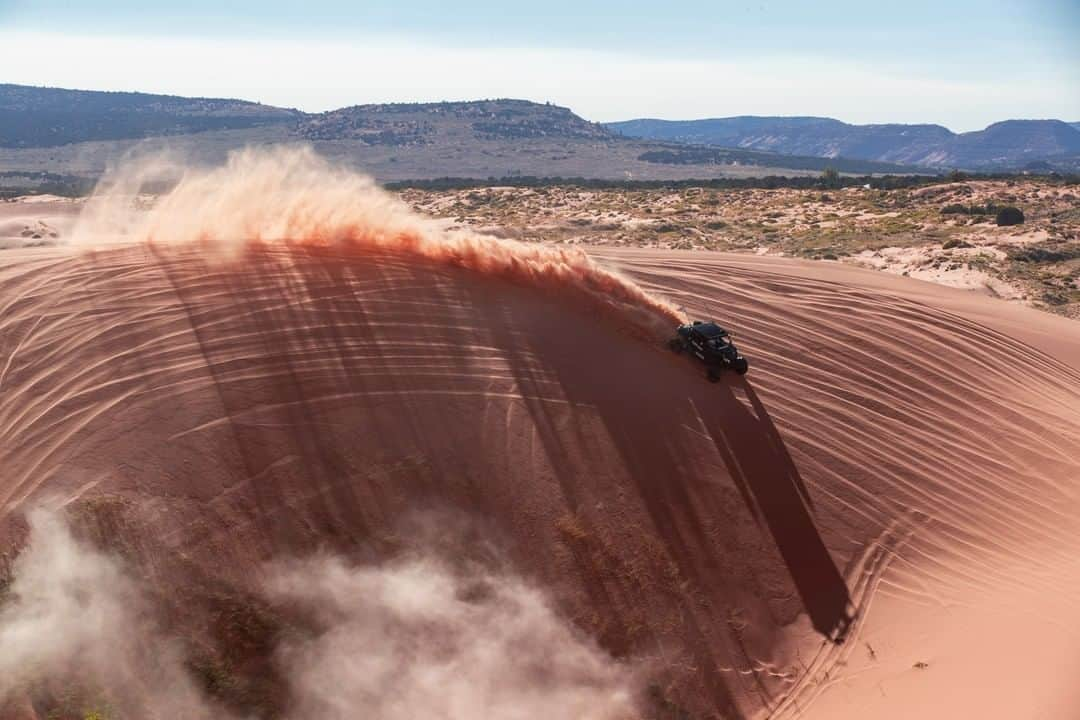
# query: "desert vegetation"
{"type": "Point", "coordinates": [1017, 238]}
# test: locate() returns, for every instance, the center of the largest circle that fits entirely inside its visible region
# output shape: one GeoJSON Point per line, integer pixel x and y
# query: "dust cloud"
{"type": "Point", "coordinates": [412, 638]}
{"type": "Point", "coordinates": [293, 197]}
{"type": "Point", "coordinates": [418, 640]}
{"type": "Point", "coordinates": [74, 622]}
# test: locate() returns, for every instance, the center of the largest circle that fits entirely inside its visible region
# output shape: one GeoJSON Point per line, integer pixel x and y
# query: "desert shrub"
{"type": "Point", "coordinates": [1043, 254]}
{"type": "Point", "coordinates": [572, 529]}
{"type": "Point", "coordinates": [954, 243]}
{"type": "Point", "coordinates": [213, 676]}
{"type": "Point", "coordinates": [961, 209]}
{"type": "Point", "coordinates": [1009, 215]}
{"type": "Point", "coordinates": [830, 177]}
{"type": "Point", "coordinates": [1055, 298]}
{"type": "Point", "coordinates": [663, 707]}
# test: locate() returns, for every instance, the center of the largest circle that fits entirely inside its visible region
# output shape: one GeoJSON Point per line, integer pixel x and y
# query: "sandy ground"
{"type": "Point", "coordinates": [904, 232]}
{"type": "Point", "coordinates": [281, 363]}
{"type": "Point", "coordinates": [36, 220]}
{"type": "Point", "coordinates": [945, 620]}
{"type": "Point", "coordinates": [898, 468]}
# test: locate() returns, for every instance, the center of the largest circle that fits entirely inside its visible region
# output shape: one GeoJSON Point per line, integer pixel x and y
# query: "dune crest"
{"type": "Point", "coordinates": [897, 451]}
{"type": "Point", "coordinates": [897, 470]}
{"type": "Point", "coordinates": [292, 197]}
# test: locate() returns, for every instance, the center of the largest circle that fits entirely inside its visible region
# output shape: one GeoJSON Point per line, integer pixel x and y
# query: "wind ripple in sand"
{"type": "Point", "coordinates": [317, 387]}
{"type": "Point", "coordinates": [295, 394]}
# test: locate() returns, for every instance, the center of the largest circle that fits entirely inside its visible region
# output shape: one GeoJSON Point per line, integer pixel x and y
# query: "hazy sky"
{"type": "Point", "coordinates": [961, 63]}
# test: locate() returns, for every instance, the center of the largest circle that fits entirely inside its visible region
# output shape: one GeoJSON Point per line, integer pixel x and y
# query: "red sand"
{"type": "Point", "coordinates": [901, 456]}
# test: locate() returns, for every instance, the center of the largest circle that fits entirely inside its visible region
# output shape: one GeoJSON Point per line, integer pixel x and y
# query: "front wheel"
{"type": "Point", "coordinates": [741, 366]}
{"type": "Point", "coordinates": [676, 345]}
{"type": "Point", "coordinates": [713, 374]}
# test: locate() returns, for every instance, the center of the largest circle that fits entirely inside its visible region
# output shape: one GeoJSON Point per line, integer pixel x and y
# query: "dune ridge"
{"type": "Point", "coordinates": [292, 196]}
{"type": "Point", "coordinates": [898, 470]}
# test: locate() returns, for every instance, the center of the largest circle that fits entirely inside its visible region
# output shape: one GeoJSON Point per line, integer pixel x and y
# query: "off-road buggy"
{"type": "Point", "coordinates": [711, 344]}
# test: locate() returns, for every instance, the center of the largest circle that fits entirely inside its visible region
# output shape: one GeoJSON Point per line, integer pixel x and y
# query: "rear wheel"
{"type": "Point", "coordinates": [741, 366]}
{"type": "Point", "coordinates": [712, 373]}
{"type": "Point", "coordinates": [676, 345]}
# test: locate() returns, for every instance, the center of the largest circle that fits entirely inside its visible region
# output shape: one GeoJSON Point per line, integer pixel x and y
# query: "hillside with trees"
{"type": "Point", "coordinates": [1011, 144]}
{"type": "Point", "coordinates": [47, 117]}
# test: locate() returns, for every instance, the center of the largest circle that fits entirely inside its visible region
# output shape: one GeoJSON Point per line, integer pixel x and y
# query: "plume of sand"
{"type": "Point", "coordinates": [74, 621]}
{"type": "Point", "coordinates": [414, 638]}
{"type": "Point", "coordinates": [419, 639]}
{"type": "Point", "coordinates": [292, 197]}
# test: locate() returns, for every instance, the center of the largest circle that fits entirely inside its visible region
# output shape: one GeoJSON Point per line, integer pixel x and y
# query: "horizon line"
{"type": "Point", "coordinates": [540, 102]}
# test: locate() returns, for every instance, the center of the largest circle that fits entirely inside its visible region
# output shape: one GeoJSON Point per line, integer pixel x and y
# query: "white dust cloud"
{"type": "Point", "coordinates": [292, 197]}
{"type": "Point", "coordinates": [411, 639]}
{"type": "Point", "coordinates": [73, 618]}
{"type": "Point", "coordinates": [418, 640]}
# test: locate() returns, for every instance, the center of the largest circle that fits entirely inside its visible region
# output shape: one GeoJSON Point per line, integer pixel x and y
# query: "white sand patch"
{"type": "Point", "coordinates": [951, 268]}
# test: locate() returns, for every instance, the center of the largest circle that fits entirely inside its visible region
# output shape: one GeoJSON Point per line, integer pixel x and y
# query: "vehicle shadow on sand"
{"type": "Point", "coordinates": [644, 420]}
{"type": "Point", "coordinates": [687, 498]}
{"type": "Point", "coordinates": [690, 450]}
{"type": "Point", "coordinates": [769, 481]}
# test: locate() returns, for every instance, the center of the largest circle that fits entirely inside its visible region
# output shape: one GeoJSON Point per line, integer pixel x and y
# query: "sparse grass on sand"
{"type": "Point", "coordinates": [899, 231]}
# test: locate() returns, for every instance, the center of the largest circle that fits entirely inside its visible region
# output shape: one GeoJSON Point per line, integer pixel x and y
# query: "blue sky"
{"type": "Point", "coordinates": [961, 63]}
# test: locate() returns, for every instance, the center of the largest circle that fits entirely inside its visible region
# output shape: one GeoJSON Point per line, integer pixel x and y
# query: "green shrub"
{"type": "Point", "coordinates": [1043, 254]}
{"type": "Point", "coordinates": [1009, 215]}
{"type": "Point", "coordinates": [959, 209]}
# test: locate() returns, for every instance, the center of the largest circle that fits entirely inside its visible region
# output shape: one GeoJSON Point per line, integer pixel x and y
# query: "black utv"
{"type": "Point", "coordinates": [711, 344]}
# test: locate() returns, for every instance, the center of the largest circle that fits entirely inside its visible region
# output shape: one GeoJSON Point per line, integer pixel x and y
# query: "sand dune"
{"type": "Point", "coordinates": [36, 220]}
{"type": "Point", "coordinates": [899, 464]}
{"type": "Point", "coordinates": [879, 520]}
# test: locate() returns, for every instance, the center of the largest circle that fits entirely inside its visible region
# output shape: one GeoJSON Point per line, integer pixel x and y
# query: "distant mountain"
{"type": "Point", "coordinates": [427, 123]}
{"type": "Point", "coordinates": [1008, 144]}
{"type": "Point", "coordinates": [454, 124]}
{"type": "Point", "coordinates": [1013, 143]}
{"type": "Point", "coordinates": [519, 137]}
{"type": "Point", "coordinates": [48, 117]}
{"type": "Point", "coordinates": [79, 133]}
{"type": "Point", "coordinates": [818, 137]}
